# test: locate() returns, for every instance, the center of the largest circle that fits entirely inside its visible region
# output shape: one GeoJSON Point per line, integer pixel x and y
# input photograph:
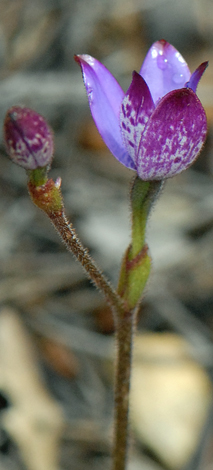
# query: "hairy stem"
{"type": "Point", "coordinates": [73, 244]}
{"type": "Point", "coordinates": [124, 337]}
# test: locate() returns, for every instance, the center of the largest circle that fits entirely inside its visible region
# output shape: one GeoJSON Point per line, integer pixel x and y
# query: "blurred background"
{"type": "Point", "coordinates": [56, 332]}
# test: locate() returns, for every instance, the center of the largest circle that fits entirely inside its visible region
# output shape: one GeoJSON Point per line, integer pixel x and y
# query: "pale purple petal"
{"type": "Point", "coordinates": [173, 137]}
{"type": "Point", "coordinates": [164, 69]}
{"type": "Point", "coordinates": [196, 76]}
{"type": "Point", "coordinates": [105, 96]}
{"type": "Point", "coordinates": [136, 108]}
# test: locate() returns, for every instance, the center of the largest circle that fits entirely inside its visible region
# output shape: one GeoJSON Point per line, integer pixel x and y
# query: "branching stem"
{"type": "Point", "coordinates": [48, 198]}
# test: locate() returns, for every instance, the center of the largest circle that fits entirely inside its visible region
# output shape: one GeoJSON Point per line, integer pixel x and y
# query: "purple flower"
{"type": "Point", "coordinates": [159, 126]}
{"type": "Point", "coordinates": [28, 138]}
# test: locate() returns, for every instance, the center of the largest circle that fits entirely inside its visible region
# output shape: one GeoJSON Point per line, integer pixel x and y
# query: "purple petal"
{"type": "Point", "coordinates": [196, 76]}
{"type": "Point", "coordinates": [136, 108]}
{"type": "Point", "coordinates": [105, 96]}
{"type": "Point", "coordinates": [164, 69]}
{"type": "Point", "coordinates": [173, 137]}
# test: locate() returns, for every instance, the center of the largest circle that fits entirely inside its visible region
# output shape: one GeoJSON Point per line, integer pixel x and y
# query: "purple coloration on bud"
{"type": "Point", "coordinates": [28, 138]}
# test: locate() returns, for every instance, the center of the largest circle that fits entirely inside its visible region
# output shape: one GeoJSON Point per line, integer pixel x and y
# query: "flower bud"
{"type": "Point", "coordinates": [28, 138]}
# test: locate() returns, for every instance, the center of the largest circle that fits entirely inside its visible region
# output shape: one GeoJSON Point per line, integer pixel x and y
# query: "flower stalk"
{"type": "Point", "coordinates": [48, 198]}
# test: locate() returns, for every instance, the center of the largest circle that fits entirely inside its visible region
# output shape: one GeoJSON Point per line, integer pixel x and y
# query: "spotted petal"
{"type": "Point", "coordinates": [174, 136]}
{"type": "Point", "coordinates": [164, 69]}
{"type": "Point", "coordinates": [196, 76]}
{"type": "Point", "coordinates": [136, 108]}
{"type": "Point", "coordinates": [105, 96]}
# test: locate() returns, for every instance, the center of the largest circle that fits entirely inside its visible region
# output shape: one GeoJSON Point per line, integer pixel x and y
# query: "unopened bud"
{"type": "Point", "coordinates": [28, 138]}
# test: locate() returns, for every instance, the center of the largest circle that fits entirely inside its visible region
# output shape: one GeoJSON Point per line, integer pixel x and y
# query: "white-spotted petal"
{"type": "Point", "coordinates": [136, 109]}
{"type": "Point", "coordinates": [174, 136]}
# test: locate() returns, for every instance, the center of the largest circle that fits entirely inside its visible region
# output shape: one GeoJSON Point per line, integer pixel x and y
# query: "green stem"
{"type": "Point", "coordinates": [143, 195]}
{"type": "Point", "coordinates": [38, 177]}
{"type": "Point", "coordinates": [139, 214]}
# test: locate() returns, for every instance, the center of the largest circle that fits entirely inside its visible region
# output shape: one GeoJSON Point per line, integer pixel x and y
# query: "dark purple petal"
{"type": "Point", "coordinates": [164, 69]}
{"type": "Point", "coordinates": [196, 76]}
{"type": "Point", "coordinates": [28, 138]}
{"type": "Point", "coordinates": [105, 96]}
{"type": "Point", "coordinates": [136, 108]}
{"type": "Point", "coordinates": [174, 136]}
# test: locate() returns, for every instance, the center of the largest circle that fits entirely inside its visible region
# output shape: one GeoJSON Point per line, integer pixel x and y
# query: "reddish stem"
{"type": "Point", "coordinates": [124, 337]}
{"type": "Point", "coordinates": [73, 244]}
